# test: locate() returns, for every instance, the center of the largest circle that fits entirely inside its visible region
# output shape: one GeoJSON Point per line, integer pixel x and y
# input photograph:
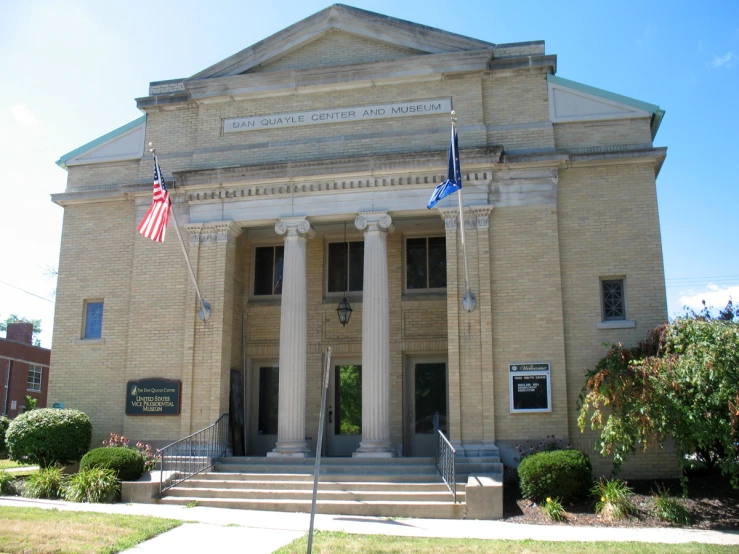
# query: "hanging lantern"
{"type": "Point", "coordinates": [344, 311]}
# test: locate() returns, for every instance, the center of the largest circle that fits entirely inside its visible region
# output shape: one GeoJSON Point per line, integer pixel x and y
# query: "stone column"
{"type": "Point", "coordinates": [293, 340]}
{"type": "Point", "coordinates": [375, 338]}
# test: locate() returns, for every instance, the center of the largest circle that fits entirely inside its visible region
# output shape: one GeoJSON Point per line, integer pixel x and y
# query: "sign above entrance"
{"type": "Point", "coordinates": [153, 397]}
{"type": "Point", "coordinates": [530, 387]}
{"type": "Point", "coordinates": [338, 115]}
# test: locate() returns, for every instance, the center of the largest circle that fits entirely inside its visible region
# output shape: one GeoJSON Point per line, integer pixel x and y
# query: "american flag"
{"type": "Point", "coordinates": [154, 224]}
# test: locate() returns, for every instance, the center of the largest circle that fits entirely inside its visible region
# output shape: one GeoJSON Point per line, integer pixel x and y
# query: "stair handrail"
{"type": "Point", "coordinates": [193, 454]}
{"type": "Point", "coordinates": [446, 456]}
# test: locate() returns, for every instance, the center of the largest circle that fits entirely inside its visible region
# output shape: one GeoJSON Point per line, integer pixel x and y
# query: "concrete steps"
{"type": "Point", "coordinates": [390, 487]}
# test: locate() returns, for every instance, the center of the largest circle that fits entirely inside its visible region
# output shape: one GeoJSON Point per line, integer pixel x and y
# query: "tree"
{"type": "Point", "coordinates": [681, 382]}
{"type": "Point", "coordinates": [15, 319]}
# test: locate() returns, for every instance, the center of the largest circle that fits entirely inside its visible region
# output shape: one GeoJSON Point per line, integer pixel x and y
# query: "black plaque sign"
{"type": "Point", "coordinates": [153, 397]}
{"type": "Point", "coordinates": [530, 387]}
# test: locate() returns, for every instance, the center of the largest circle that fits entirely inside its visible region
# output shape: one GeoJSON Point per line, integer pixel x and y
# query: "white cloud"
{"type": "Point", "coordinates": [725, 60]}
{"type": "Point", "coordinates": [715, 296]}
{"type": "Point", "coordinates": [23, 115]}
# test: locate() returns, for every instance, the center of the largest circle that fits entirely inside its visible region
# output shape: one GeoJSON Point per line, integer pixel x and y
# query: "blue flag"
{"type": "Point", "coordinates": [453, 177]}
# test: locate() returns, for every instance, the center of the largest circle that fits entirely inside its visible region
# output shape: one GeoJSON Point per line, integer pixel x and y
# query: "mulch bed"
{"type": "Point", "coordinates": [713, 504]}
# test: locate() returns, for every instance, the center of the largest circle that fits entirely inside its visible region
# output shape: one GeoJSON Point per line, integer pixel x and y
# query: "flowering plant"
{"type": "Point", "coordinates": [119, 441]}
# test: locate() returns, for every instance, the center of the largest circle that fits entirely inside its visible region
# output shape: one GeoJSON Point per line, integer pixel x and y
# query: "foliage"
{"type": "Point", "coordinates": [95, 484]}
{"type": "Point", "coordinates": [563, 474]}
{"type": "Point", "coordinates": [549, 444]}
{"type": "Point", "coordinates": [4, 423]}
{"type": "Point", "coordinates": [7, 483]}
{"type": "Point", "coordinates": [126, 463]}
{"type": "Point", "coordinates": [670, 509]}
{"type": "Point", "coordinates": [12, 318]}
{"type": "Point", "coordinates": [48, 436]}
{"type": "Point", "coordinates": [30, 402]}
{"type": "Point", "coordinates": [350, 417]}
{"type": "Point", "coordinates": [45, 483]}
{"type": "Point", "coordinates": [679, 383]}
{"type": "Point", "coordinates": [614, 499]}
{"type": "Point", "coordinates": [553, 509]}
{"type": "Point", "coordinates": [148, 455]}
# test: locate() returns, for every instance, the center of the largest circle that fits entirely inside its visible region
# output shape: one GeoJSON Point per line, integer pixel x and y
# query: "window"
{"type": "Point", "coordinates": [612, 299]}
{"type": "Point", "coordinates": [268, 262]}
{"type": "Point", "coordinates": [93, 319]}
{"type": "Point", "coordinates": [34, 378]}
{"type": "Point", "coordinates": [269, 395]}
{"type": "Point", "coordinates": [345, 266]}
{"type": "Point", "coordinates": [425, 260]}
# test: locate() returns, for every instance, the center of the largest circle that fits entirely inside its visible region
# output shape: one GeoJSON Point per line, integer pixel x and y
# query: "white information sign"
{"type": "Point", "coordinates": [337, 115]}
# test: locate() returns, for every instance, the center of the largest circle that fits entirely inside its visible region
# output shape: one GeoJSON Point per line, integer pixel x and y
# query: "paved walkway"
{"type": "Point", "coordinates": [266, 531]}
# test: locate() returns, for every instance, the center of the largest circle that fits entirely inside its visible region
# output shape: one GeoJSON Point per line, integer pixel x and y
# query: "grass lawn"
{"type": "Point", "coordinates": [7, 464]}
{"type": "Point", "coordinates": [331, 542]}
{"type": "Point", "coordinates": [36, 530]}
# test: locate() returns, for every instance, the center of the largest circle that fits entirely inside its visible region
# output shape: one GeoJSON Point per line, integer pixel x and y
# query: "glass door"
{"type": "Point", "coordinates": [426, 398]}
{"type": "Point", "coordinates": [265, 387]}
{"type": "Point", "coordinates": [344, 410]}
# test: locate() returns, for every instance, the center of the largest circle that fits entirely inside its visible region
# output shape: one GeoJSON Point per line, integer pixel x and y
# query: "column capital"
{"type": "Point", "coordinates": [294, 227]}
{"type": "Point", "coordinates": [217, 231]}
{"type": "Point", "coordinates": [474, 217]}
{"type": "Point", "coordinates": [374, 221]}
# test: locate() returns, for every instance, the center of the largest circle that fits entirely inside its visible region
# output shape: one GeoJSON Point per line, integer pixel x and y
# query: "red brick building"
{"type": "Point", "coordinates": [24, 370]}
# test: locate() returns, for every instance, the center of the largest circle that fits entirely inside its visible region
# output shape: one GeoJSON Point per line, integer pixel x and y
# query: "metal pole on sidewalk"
{"type": "Point", "coordinates": [319, 445]}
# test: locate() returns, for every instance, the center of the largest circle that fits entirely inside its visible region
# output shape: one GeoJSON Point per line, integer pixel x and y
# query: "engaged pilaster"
{"type": "Point", "coordinates": [293, 340]}
{"type": "Point", "coordinates": [375, 337]}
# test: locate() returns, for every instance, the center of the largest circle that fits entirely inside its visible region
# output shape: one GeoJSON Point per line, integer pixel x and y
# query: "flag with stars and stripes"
{"type": "Point", "coordinates": [154, 224]}
{"type": "Point", "coordinates": [454, 175]}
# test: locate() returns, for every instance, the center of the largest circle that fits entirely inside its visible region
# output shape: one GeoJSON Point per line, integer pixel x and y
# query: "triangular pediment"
{"type": "Point", "coordinates": [124, 143]}
{"type": "Point", "coordinates": [390, 37]}
{"type": "Point", "coordinates": [571, 101]}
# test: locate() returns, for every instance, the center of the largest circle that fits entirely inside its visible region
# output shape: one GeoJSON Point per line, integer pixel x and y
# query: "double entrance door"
{"type": "Point", "coordinates": [425, 399]}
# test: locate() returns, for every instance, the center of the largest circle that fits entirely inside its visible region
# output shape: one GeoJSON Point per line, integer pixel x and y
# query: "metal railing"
{"type": "Point", "coordinates": [445, 459]}
{"type": "Point", "coordinates": [193, 454]}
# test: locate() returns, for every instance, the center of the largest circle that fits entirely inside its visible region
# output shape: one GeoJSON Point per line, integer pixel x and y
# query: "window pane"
{"type": "Point", "coordinates": [416, 264]}
{"type": "Point", "coordinates": [613, 300]}
{"type": "Point", "coordinates": [34, 378]}
{"type": "Point", "coordinates": [269, 380]}
{"type": "Point", "coordinates": [348, 385]}
{"type": "Point", "coordinates": [279, 259]}
{"type": "Point", "coordinates": [356, 266]}
{"type": "Point", "coordinates": [263, 264]}
{"type": "Point", "coordinates": [94, 320]}
{"type": "Point", "coordinates": [437, 262]}
{"type": "Point", "coordinates": [337, 267]}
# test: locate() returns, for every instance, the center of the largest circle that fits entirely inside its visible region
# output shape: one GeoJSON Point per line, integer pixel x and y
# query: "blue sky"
{"type": "Point", "coordinates": [71, 70]}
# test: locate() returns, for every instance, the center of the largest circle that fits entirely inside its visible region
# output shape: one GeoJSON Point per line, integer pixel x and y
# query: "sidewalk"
{"type": "Point", "coordinates": [267, 531]}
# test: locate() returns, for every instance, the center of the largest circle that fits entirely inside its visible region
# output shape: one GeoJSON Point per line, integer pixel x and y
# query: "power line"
{"type": "Point", "coordinates": [32, 294]}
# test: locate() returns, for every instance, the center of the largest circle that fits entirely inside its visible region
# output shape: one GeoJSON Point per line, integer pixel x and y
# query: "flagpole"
{"type": "Point", "coordinates": [469, 302]}
{"type": "Point", "coordinates": [204, 310]}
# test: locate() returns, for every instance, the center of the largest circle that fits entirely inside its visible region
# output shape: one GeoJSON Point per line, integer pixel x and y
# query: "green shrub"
{"type": "Point", "coordinates": [562, 474]}
{"type": "Point", "coordinates": [7, 483]}
{"type": "Point", "coordinates": [127, 464]}
{"type": "Point", "coordinates": [614, 499]}
{"type": "Point", "coordinates": [670, 509]}
{"type": "Point", "coordinates": [48, 436]}
{"type": "Point", "coordinates": [96, 484]}
{"type": "Point", "coordinates": [45, 483]}
{"type": "Point", "coordinates": [4, 422]}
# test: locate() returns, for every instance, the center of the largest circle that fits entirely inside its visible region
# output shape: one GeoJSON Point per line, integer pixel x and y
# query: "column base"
{"type": "Point", "coordinates": [297, 449]}
{"type": "Point", "coordinates": [374, 449]}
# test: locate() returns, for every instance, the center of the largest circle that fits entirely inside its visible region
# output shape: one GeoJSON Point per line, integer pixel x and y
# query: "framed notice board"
{"type": "Point", "coordinates": [530, 387]}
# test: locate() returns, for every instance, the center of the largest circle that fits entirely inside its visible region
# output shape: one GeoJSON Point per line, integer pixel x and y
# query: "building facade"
{"type": "Point", "coordinates": [301, 167]}
{"type": "Point", "coordinates": [24, 370]}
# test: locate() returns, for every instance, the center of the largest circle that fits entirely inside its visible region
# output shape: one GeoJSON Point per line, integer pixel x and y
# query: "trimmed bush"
{"type": "Point", "coordinates": [127, 464]}
{"type": "Point", "coordinates": [96, 484]}
{"type": "Point", "coordinates": [562, 474]}
{"type": "Point", "coordinates": [49, 436]}
{"type": "Point", "coordinates": [4, 422]}
{"type": "Point", "coordinates": [45, 483]}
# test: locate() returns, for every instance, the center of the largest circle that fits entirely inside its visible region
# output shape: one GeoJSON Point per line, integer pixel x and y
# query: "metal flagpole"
{"type": "Point", "coordinates": [319, 446]}
{"type": "Point", "coordinates": [204, 310]}
{"type": "Point", "coordinates": [469, 302]}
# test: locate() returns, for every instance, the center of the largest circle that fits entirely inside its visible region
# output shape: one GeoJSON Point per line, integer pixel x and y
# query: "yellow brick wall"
{"type": "Point", "coordinates": [608, 227]}
{"type": "Point", "coordinates": [336, 48]}
{"type": "Point", "coordinates": [603, 133]}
